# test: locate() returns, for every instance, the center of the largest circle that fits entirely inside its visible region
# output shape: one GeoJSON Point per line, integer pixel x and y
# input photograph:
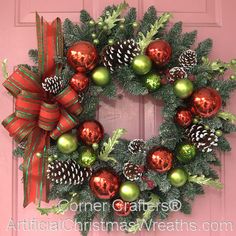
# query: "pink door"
{"type": "Point", "coordinates": [141, 117]}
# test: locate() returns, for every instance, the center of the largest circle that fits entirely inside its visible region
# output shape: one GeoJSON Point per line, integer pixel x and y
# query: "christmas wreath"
{"type": "Point", "coordinates": [63, 145]}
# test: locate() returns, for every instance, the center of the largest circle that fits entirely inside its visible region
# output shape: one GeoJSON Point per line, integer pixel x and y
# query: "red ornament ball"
{"type": "Point", "coordinates": [90, 132]}
{"type": "Point", "coordinates": [160, 159]}
{"type": "Point", "coordinates": [183, 117]}
{"type": "Point", "coordinates": [159, 51]}
{"type": "Point", "coordinates": [82, 56]}
{"type": "Point", "coordinates": [121, 207]}
{"type": "Point", "coordinates": [79, 82]}
{"type": "Point", "coordinates": [206, 102]}
{"type": "Point", "coordinates": [104, 184]}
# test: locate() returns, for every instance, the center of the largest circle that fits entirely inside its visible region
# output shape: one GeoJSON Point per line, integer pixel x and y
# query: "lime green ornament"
{"type": "Point", "coordinates": [101, 76]}
{"type": "Point", "coordinates": [87, 157]}
{"type": "Point", "coordinates": [178, 177]}
{"type": "Point", "coordinates": [141, 64]}
{"type": "Point", "coordinates": [219, 133]}
{"type": "Point", "coordinates": [152, 81]}
{"type": "Point", "coordinates": [186, 152]}
{"type": "Point", "coordinates": [129, 191]}
{"type": "Point", "coordinates": [183, 88]}
{"type": "Point", "coordinates": [96, 41]}
{"type": "Point", "coordinates": [67, 143]}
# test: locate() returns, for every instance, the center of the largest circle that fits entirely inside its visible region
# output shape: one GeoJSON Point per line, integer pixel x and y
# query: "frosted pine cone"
{"type": "Point", "coordinates": [132, 172]}
{"type": "Point", "coordinates": [53, 85]}
{"type": "Point", "coordinates": [176, 73]}
{"type": "Point", "coordinates": [67, 172]}
{"type": "Point", "coordinates": [188, 59]}
{"type": "Point", "coordinates": [136, 146]}
{"type": "Point", "coordinates": [120, 54]}
{"type": "Point", "coordinates": [202, 138]}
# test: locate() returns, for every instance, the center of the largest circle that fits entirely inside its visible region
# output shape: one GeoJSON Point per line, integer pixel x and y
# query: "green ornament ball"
{"type": "Point", "coordinates": [101, 76]}
{"type": "Point", "coordinates": [92, 22]}
{"type": "Point", "coordinates": [135, 24]}
{"type": "Point", "coordinates": [186, 152]}
{"type": "Point", "coordinates": [183, 88]}
{"type": "Point", "coordinates": [67, 143]}
{"type": "Point", "coordinates": [219, 133]}
{"type": "Point", "coordinates": [178, 177]}
{"type": "Point", "coordinates": [111, 41]}
{"type": "Point", "coordinates": [129, 191]}
{"type": "Point", "coordinates": [87, 157]}
{"type": "Point", "coordinates": [141, 64]}
{"type": "Point", "coordinates": [96, 41]}
{"type": "Point", "coordinates": [94, 35]}
{"type": "Point", "coordinates": [152, 81]}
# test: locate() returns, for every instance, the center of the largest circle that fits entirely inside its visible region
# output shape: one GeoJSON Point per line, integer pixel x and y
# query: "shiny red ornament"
{"type": "Point", "coordinates": [90, 132]}
{"type": "Point", "coordinates": [183, 117]}
{"type": "Point", "coordinates": [121, 207]}
{"type": "Point", "coordinates": [159, 51]}
{"type": "Point", "coordinates": [160, 159]}
{"type": "Point", "coordinates": [206, 102]}
{"type": "Point", "coordinates": [82, 56]}
{"type": "Point", "coordinates": [104, 184]}
{"type": "Point", "coordinates": [79, 82]}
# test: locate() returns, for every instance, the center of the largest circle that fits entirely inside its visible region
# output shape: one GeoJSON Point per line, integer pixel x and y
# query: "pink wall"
{"type": "Point", "coordinates": [140, 116]}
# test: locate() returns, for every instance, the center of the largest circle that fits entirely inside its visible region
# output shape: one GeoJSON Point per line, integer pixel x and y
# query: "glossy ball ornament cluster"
{"type": "Point", "coordinates": [206, 102]}
{"type": "Point", "coordinates": [79, 82]}
{"type": "Point", "coordinates": [86, 157]}
{"type": "Point", "coordinates": [159, 51]}
{"type": "Point", "coordinates": [152, 81]}
{"type": "Point", "coordinates": [183, 117]}
{"type": "Point", "coordinates": [178, 177]}
{"type": "Point", "coordinates": [160, 159]}
{"type": "Point", "coordinates": [183, 88]}
{"type": "Point", "coordinates": [141, 65]}
{"type": "Point", "coordinates": [67, 143]}
{"type": "Point", "coordinates": [90, 132]}
{"type": "Point", "coordinates": [129, 191]}
{"type": "Point", "coordinates": [121, 207]}
{"type": "Point", "coordinates": [186, 152]}
{"type": "Point", "coordinates": [104, 184]}
{"type": "Point", "coordinates": [82, 56]}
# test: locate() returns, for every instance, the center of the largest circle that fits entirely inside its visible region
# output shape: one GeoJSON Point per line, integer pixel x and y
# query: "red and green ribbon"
{"type": "Point", "coordinates": [36, 117]}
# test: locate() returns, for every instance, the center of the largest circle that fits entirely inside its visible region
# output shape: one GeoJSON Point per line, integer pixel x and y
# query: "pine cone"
{"type": "Point", "coordinates": [120, 54]}
{"type": "Point", "coordinates": [136, 146]}
{"type": "Point", "coordinates": [176, 73]}
{"type": "Point", "coordinates": [53, 85]}
{"type": "Point", "coordinates": [67, 172]}
{"type": "Point", "coordinates": [132, 172]}
{"type": "Point", "coordinates": [188, 59]}
{"type": "Point", "coordinates": [202, 138]}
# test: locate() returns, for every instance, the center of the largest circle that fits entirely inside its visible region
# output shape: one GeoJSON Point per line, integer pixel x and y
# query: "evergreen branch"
{"type": "Point", "coordinates": [146, 39]}
{"type": "Point", "coordinates": [4, 69]}
{"type": "Point", "coordinates": [202, 180]}
{"type": "Point", "coordinates": [61, 208]}
{"type": "Point", "coordinates": [227, 116]}
{"type": "Point", "coordinates": [113, 17]}
{"type": "Point", "coordinates": [108, 146]}
{"type": "Point", "coordinates": [151, 207]}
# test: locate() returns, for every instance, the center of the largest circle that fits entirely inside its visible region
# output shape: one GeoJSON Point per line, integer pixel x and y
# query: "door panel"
{"type": "Point", "coordinates": [140, 116]}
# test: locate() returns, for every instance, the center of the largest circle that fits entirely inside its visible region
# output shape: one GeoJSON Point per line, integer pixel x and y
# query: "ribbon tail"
{"type": "Point", "coordinates": [35, 167]}
{"type": "Point", "coordinates": [50, 46]}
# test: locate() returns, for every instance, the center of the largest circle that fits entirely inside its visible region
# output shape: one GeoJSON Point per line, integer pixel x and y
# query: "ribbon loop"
{"type": "Point", "coordinates": [18, 128]}
{"type": "Point", "coordinates": [69, 99]}
{"type": "Point", "coordinates": [23, 79]}
{"type": "Point", "coordinates": [66, 123]}
{"type": "Point", "coordinates": [28, 105]}
{"type": "Point", "coordinates": [48, 116]}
